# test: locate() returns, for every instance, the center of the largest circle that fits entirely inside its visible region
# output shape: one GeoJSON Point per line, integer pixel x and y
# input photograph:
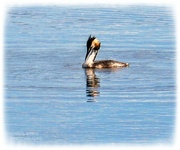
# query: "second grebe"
{"type": "Point", "coordinates": [93, 45]}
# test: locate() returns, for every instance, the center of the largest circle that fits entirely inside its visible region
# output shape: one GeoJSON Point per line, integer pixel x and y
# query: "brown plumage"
{"type": "Point", "coordinates": [109, 64]}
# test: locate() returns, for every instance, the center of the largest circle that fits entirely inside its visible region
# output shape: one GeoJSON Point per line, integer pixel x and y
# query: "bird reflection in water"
{"type": "Point", "coordinates": [92, 85]}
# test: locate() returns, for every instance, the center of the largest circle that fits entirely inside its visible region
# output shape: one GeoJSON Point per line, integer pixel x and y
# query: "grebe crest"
{"type": "Point", "coordinates": [93, 46]}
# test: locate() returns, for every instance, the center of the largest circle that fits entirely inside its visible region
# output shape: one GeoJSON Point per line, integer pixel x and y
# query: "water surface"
{"type": "Point", "coordinates": [50, 99]}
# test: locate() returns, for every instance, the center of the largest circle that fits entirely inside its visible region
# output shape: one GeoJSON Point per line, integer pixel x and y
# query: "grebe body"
{"type": "Point", "coordinates": [93, 46]}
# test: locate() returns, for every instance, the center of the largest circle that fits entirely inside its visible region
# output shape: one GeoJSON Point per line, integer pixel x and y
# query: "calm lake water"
{"type": "Point", "coordinates": [50, 99]}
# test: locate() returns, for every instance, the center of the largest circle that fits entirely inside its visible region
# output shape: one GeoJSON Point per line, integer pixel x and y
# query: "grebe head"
{"type": "Point", "coordinates": [93, 45]}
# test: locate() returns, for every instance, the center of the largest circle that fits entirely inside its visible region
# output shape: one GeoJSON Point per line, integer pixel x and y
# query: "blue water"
{"type": "Point", "coordinates": [50, 99]}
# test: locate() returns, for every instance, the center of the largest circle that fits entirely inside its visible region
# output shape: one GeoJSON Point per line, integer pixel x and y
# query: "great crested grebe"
{"type": "Point", "coordinates": [93, 46]}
